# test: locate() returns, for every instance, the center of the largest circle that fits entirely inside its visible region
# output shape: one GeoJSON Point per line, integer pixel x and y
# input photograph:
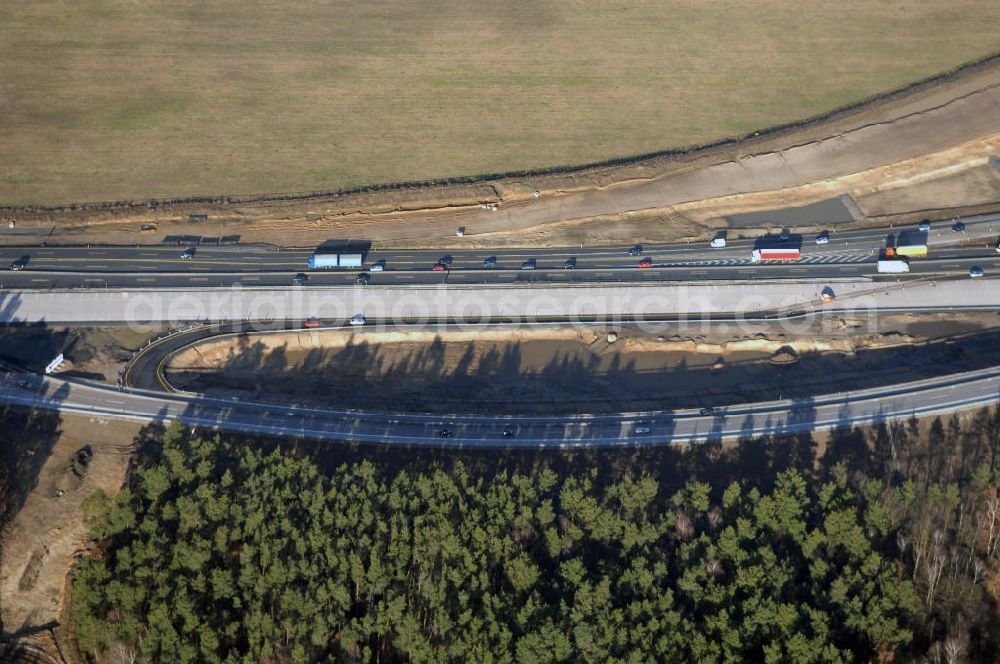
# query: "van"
{"type": "Point", "coordinates": [718, 243]}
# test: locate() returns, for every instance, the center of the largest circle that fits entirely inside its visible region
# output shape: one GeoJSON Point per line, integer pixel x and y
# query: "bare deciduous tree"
{"type": "Point", "coordinates": [978, 570]}
{"type": "Point", "coordinates": [126, 654]}
{"type": "Point", "coordinates": [956, 645]}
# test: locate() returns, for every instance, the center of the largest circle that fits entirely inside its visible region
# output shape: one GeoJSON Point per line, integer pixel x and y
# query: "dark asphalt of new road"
{"type": "Point", "coordinates": [926, 397]}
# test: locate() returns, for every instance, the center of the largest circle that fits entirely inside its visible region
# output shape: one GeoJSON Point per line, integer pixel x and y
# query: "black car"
{"type": "Point", "coordinates": [958, 227]}
{"type": "Point", "coordinates": [635, 251]}
{"type": "Point", "coordinates": [529, 264]}
{"type": "Point", "coordinates": [569, 264]}
{"type": "Point", "coordinates": [490, 262]}
{"type": "Point", "coordinates": [446, 433]}
{"type": "Point", "coordinates": [706, 411]}
{"type": "Point", "coordinates": [18, 265]}
{"type": "Point", "coordinates": [507, 432]}
{"type": "Point", "coordinates": [362, 278]}
{"type": "Point", "coordinates": [445, 260]}
{"type": "Point", "coordinates": [300, 279]}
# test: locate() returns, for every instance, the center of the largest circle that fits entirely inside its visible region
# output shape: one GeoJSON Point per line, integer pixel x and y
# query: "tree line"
{"type": "Point", "coordinates": [219, 552]}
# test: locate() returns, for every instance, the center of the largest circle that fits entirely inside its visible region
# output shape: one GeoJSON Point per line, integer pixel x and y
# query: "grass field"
{"type": "Point", "coordinates": [115, 99]}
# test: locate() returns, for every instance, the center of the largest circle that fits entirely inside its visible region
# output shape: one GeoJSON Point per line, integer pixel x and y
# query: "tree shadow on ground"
{"type": "Point", "coordinates": [489, 378]}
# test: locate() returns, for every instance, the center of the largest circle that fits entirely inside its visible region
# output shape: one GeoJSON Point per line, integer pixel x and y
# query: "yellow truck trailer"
{"type": "Point", "coordinates": [911, 250]}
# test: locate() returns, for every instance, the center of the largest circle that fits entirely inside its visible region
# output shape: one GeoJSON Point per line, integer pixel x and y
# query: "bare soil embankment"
{"type": "Point", "coordinates": [580, 370]}
{"type": "Point", "coordinates": [95, 353]}
{"type": "Point", "coordinates": [56, 461]}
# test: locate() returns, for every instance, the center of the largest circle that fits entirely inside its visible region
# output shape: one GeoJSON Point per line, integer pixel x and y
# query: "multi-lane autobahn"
{"type": "Point", "coordinates": [848, 254]}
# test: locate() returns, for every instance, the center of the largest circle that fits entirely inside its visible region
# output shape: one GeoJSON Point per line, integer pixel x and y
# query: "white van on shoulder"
{"type": "Point", "coordinates": [718, 243]}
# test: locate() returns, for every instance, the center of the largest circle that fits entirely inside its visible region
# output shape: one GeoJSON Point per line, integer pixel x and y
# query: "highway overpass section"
{"type": "Point", "coordinates": [487, 303]}
{"type": "Point", "coordinates": [926, 397]}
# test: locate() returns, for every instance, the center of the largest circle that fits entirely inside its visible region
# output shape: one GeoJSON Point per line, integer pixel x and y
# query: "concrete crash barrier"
{"type": "Point", "coordinates": [480, 304]}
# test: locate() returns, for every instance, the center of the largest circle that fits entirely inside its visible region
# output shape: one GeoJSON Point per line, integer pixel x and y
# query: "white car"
{"type": "Point", "coordinates": [641, 429]}
{"type": "Point", "coordinates": [358, 319]}
{"type": "Point", "coordinates": [823, 238]}
{"type": "Point", "coordinates": [377, 267]}
{"type": "Point", "coordinates": [718, 243]}
{"type": "Point", "coordinates": [998, 247]}
{"type": "Point", "coordinates": [975, 271]}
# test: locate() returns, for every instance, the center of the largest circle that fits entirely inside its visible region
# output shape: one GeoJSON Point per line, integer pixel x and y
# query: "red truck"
{"type": "Point", "coordinates": [782, 254]}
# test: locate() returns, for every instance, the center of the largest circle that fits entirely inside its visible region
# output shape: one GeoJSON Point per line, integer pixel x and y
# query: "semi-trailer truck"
{"type": "Point", "coordinates": [782, 254]}
{"type": "Point", "coordinates": [909, 243]}
{"type": "Point", "coordinates": [326, 260]}
{"type": "Point", "coordinates": [893, 265]}
{"type": "Point", "coordinates": [911, 250]}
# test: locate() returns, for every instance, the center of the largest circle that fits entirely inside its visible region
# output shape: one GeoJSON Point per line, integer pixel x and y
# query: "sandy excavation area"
{"type": "Point", "coordinates": [579, 370]}
{"type": "Point", "coordinates": [56, 462]}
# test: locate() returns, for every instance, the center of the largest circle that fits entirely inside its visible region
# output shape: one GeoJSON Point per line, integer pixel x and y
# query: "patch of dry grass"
{"type": "Point", "coordinates": [113, 99]}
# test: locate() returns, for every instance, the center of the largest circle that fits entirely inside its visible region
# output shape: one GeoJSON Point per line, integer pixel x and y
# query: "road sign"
{"type": "Point", "coordinates": [55, 364]}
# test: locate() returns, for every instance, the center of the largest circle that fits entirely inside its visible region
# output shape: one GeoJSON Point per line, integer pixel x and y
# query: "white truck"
{"type": "Point", "coordinates": [893, 266]}
{"type": "Point", "coordinates": [319, 261]}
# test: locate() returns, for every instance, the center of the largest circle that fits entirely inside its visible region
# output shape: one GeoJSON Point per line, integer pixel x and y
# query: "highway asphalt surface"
{"type": "Point", "coordinates": [926, 397]}
{"type": "Point", "coordinates": [848, 254]}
